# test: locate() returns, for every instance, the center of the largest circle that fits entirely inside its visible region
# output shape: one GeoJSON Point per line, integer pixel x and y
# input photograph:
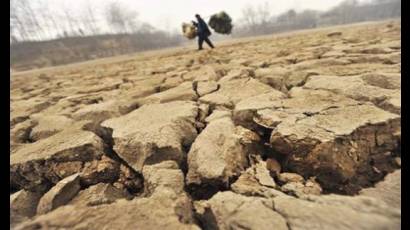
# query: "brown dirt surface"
{"type": "Point", "coordinates": [282, 131]}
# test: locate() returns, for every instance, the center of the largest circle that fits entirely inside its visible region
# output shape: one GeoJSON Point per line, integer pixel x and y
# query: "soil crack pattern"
{"type": "Point", "coordinates": [279, 132]}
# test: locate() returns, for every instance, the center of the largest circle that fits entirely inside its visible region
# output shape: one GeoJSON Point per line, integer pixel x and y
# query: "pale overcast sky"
{"type": "Point", "coordinates": [169, 14]}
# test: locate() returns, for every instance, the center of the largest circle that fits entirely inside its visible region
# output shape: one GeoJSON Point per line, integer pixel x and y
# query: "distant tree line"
{"type": "Point", "coordinates": [36, 20]}
{"type": "Point", "coordinates": [258, 20]}
{"type": "Point", "coordinates": [41, 35]}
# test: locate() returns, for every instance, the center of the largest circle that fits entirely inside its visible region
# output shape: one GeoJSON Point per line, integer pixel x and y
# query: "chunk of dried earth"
{"type": "Point", "coordinates": [23, 205]}
{"type": "Point", "coordinates": [338, 144]}
{"type": "Point", "coordinates": [98, 194]}
{"type": "Point", "coordinates": [256, 181]}
{"type": "Point", "coordinates": [169, 207]}
{"type": "Point", "coordinates": [36, 166]}
{"type": "Point", "coordinates": [154, 133]}
{"type": "Point", "coordinates": [218, 154]}
{"type": "Point", "coordinates": [227, 210]}
{"type": "Point", "coordinates": [231, 92]}
{"type": "Point", "coordinates": [48, 126]}
{"type": "Point", "coordinates": [388, 190]}
{"type": "Point", "coordinates": [325, 212]}
{"type": "Point", "coordinates": [362, 88]}
{"type": "Point", "coordinates": [60, 194]}
{"type": "Point", "coordinates": [182, 92]}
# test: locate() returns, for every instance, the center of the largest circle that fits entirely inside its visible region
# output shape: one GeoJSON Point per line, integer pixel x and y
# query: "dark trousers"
{"type": "Point", "coordinates": [201, 40]}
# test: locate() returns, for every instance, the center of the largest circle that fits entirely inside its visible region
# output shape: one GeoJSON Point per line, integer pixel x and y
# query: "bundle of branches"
{"type": "Point", "coordinates": [221, 23]}
{"type": "Point", "coordinates": [189, 30]}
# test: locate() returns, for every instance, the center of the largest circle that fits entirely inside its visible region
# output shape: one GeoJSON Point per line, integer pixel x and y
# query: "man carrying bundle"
{"type": "Point", "coordinates": [203, 32]}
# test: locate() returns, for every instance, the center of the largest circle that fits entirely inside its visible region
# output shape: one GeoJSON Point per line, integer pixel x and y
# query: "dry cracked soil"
{"type": "Point", "coordinates": [295, 131]}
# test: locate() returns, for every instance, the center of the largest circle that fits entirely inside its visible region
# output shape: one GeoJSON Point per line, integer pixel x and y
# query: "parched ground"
{"type": "Point", "coordinates": [295, 131]}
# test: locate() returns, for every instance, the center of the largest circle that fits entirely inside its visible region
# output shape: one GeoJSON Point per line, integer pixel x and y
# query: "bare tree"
{"type": "Point", "coordinates": [307, 19]}
{"type": "Point", "coordinates": [346, 9]}
{"type": "Point", "coordinates": [249, 16]}
{"type": "Point", "coordinates": [263, 13]}
{"type": "Point", "coordinates": [256, 18]}
{"type": "Point", "coordinates": [120, 18]}
{"type": "Point", "coordinates": [288, 17]}
{"type": "Point", "coordinates": [18, 26]}
{"type": "Point", "coordinates": [24, 21]}
{"type": "Point", "coordinates": [146, 28]}
{"type": "Point", "coordinates": [70, 20]}
{"type": "Point", "coordinates": [88, 20]}
{"type": "Point", "coordinates": [35, 24]}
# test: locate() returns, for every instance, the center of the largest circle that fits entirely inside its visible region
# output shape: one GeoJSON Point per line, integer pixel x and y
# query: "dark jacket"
{"type": "Point", "coordinates": [202, 28]}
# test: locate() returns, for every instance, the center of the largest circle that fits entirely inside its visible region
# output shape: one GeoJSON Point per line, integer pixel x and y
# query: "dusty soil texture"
{"type": "Point", "coordinates": [276, 132]}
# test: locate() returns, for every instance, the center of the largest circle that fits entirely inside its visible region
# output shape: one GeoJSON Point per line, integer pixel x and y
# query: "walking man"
{"type": "Point", "coordinates": [203, 32]}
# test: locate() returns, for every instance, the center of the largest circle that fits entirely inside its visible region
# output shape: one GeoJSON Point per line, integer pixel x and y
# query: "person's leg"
{"type": "Point", "coordinates": [200, 42]}
{"type": "Point", "coordinates": [209, 42]}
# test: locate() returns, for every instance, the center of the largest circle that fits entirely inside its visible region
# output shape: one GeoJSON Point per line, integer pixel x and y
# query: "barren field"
{"type": "Point", "coordinates": [295, 131]}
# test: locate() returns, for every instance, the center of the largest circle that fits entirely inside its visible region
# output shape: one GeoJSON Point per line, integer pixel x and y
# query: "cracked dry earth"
{"type": "Point", "coordinates": [298, 131]}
